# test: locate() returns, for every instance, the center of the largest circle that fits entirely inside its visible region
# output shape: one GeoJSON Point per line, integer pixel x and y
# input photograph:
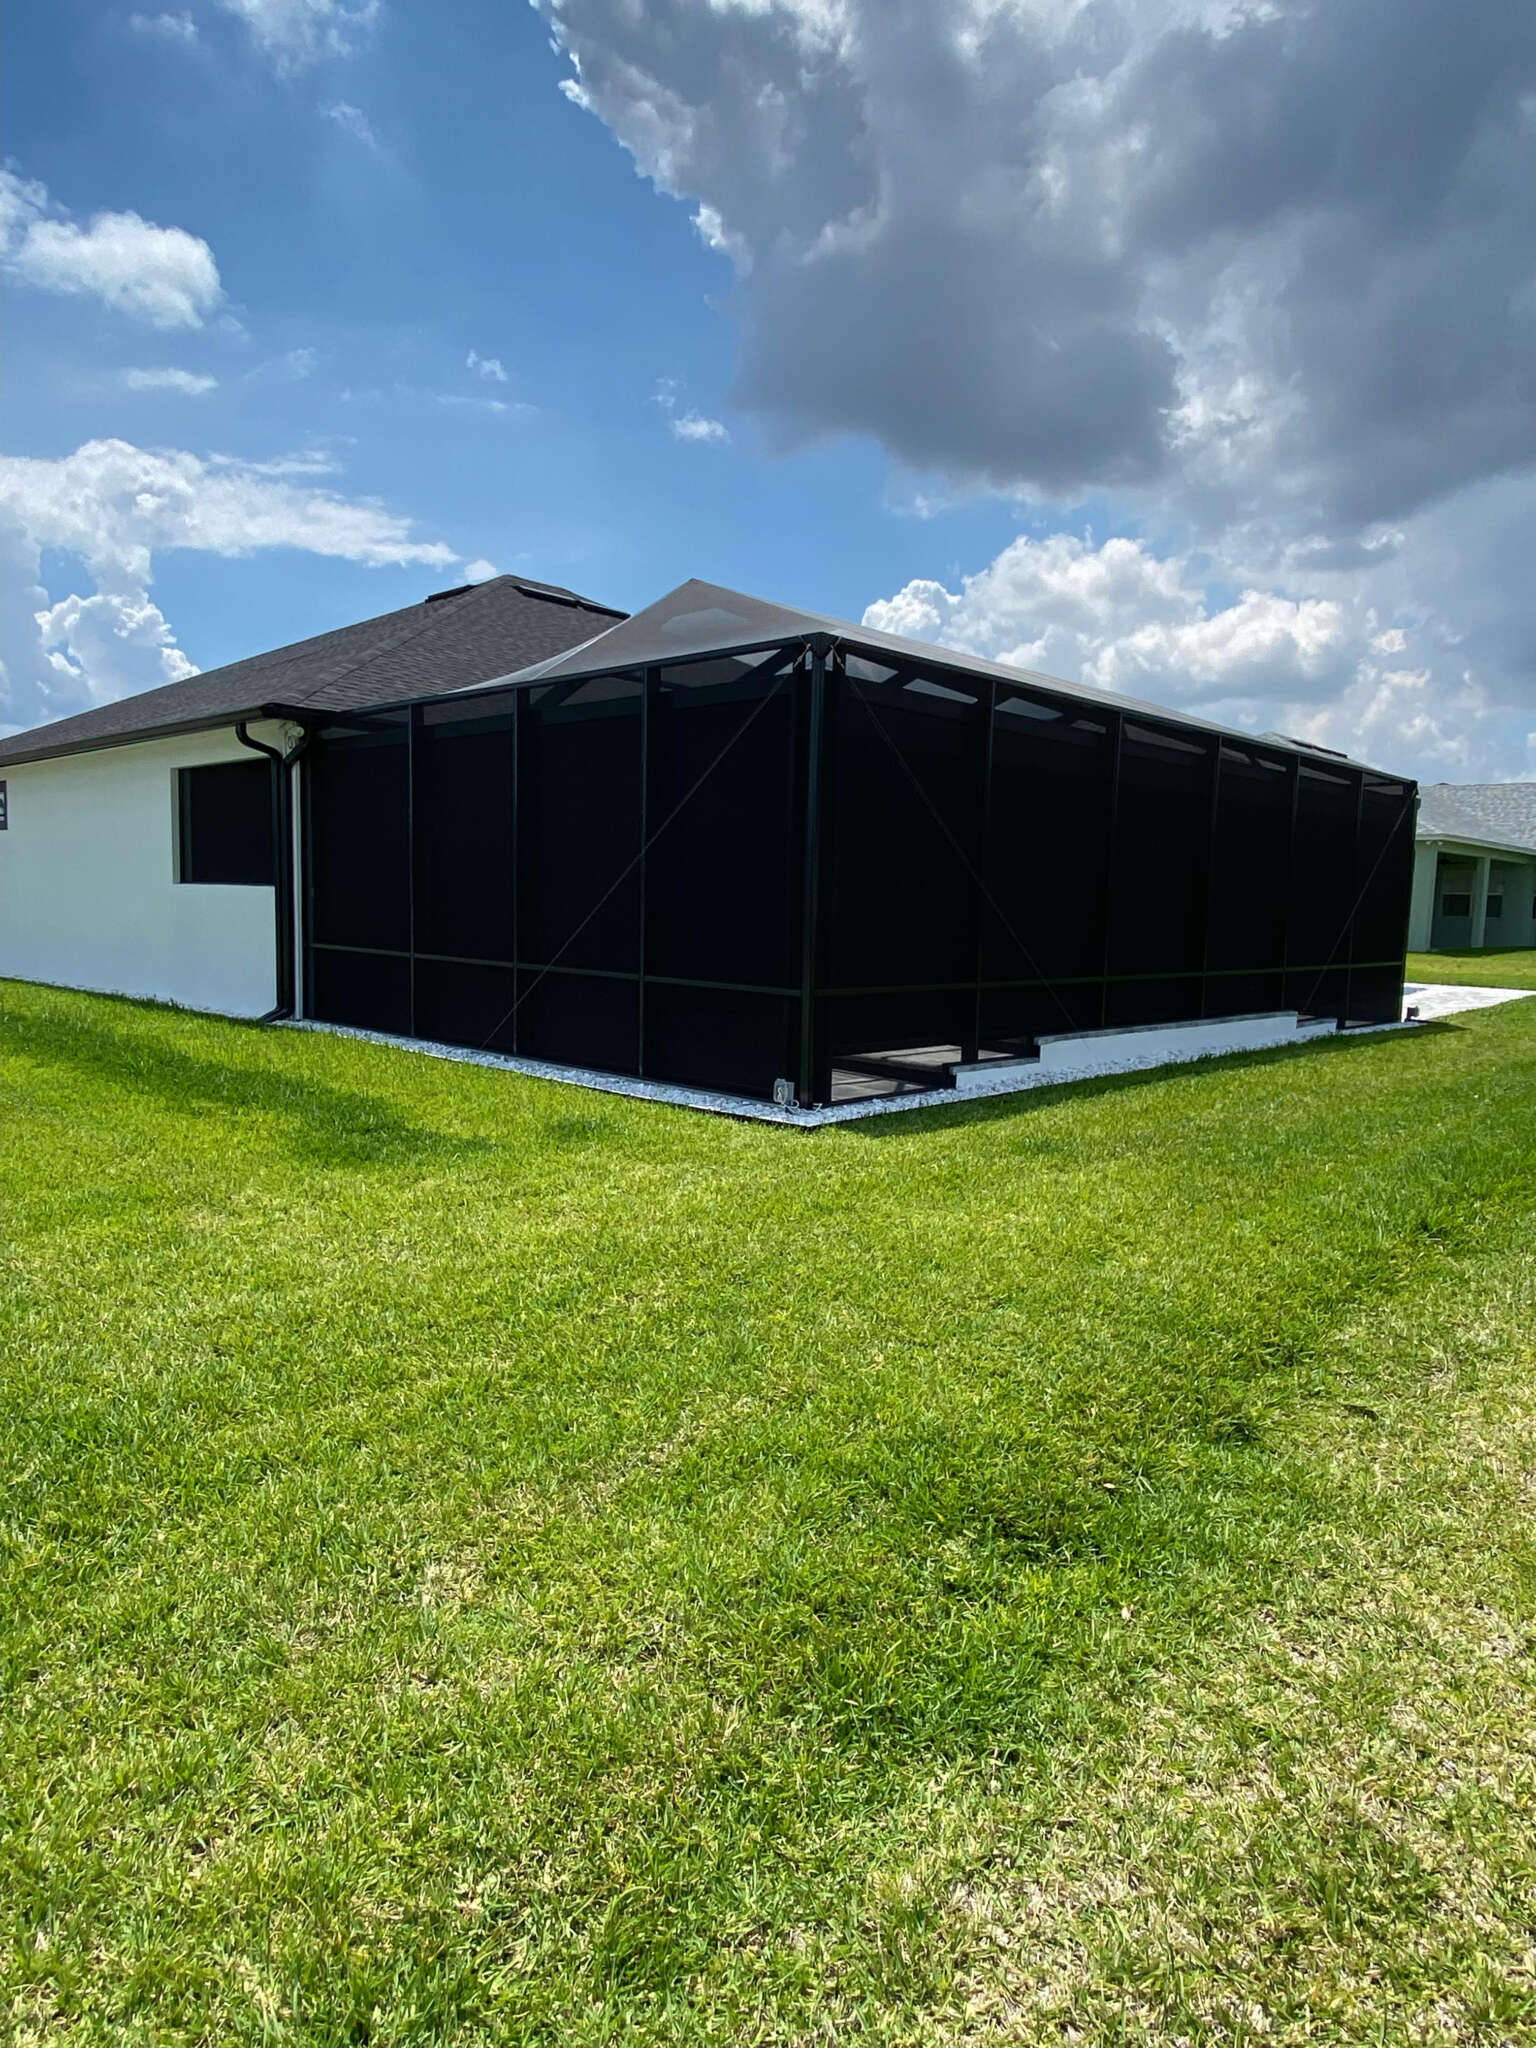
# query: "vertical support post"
{"type": "Point", "coordinates": [1209, 889]}
{"type": "Point", "coordinates": [983, 845]}
{"type": "Point", "coordinates": [307, 883]}
{"type": "Point", "coordinates": [515, 879]}
{"type": "Point", "coordinates": [810, 901]}
{"type": "Point", "coordinates": [1111, 836]}
{"type": "Point", "coordinates": [1293, 770]}
{"type": "Point", "coordinates": [1357, 863]}
{"type": "Point", "coordinates": [650, 692]}
{"type": "Point", "coordinates": [298, 910]}
{"type": "Point", "coordinates": [281, 824]}
{"type": "Point", "coordinates": [413, 719]}
{"type": "Point", "coordinates": [1480, 874]}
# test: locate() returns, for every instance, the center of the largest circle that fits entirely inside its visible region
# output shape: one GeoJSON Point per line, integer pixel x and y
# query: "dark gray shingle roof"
{"type": "Point", "coordinates": [1501, 812]}
{"type": "Point", "coordinates": [444, 643]}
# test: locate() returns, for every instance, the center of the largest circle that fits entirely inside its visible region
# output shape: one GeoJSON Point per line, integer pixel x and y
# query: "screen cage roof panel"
{"type": "Point", "coordinates": [699, 618]}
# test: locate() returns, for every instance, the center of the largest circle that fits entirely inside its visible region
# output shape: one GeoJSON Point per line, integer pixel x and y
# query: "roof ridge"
{"type": "Point", "coordinates": [411, 628]}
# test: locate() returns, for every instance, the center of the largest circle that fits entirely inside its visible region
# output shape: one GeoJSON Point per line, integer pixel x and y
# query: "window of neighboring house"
{"type": "Point", "coordinates": [1496, 905]}
{"type": "Point", "coordinates": [224, 823]}
{"type": "Point", "coordinates": [1456, 906]}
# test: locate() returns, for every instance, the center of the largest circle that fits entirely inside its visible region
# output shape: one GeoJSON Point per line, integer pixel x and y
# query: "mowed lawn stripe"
{"type": "Point", "coordinates": [487, 1562]}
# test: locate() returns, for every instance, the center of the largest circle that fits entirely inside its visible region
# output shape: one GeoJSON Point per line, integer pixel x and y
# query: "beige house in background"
{"type": "Point", "coordinates": [1474, 877]}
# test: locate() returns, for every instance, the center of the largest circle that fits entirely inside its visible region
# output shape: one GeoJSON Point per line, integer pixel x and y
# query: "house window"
{"type": "Point", "coordinates": [1496, 905]}
{"type": "Point", "coordinates": [224, 823]}
{"type": "Point", "coordinates": [1455, 905]}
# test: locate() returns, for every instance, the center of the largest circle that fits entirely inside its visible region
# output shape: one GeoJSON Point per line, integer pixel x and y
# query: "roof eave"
{"type": "Point", "coordinates": [1429, 835]}
{"type": "Point", "coordinates": [12, 758]}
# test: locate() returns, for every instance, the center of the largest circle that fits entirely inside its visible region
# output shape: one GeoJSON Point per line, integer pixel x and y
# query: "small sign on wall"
{"type": "Point", "coordinates": [5, 809]}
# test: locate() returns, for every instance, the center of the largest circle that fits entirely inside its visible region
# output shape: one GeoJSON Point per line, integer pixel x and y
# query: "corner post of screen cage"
{"type": "Point", "coordinates": [1111, 868]}
{"type": "Point", "coordinates": [1356, 861]}
{"type": "Point", "coordinates": [810, 908]}
{"type": "Point", "coordinates": [413, 721]}
{"type": "Point", "coordinates": [972, 1050]}
{"type": "Point", "coordinates": [649, 697]}
{"type": "Point", "coordinates": [1208, 881]}
{"type": "Point", "coordinates": [1293, 775]}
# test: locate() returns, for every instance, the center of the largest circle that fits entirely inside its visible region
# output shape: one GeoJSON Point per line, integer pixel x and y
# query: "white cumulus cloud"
{"type": "Point", "coordinates": [114, 507]}
{"type": "Point", "coordinates": [1320, 664]}
{"type": "Point", "coordinates": [692, 426]}
{"type": "Point", "coordinates": [1253, 274]}
{"type": "Point", "coordinates": [352, 121]}
{"type": "Point", "coordinates": [191, 383]}
{"type": "Point", "coordinates": [488, 367]}
{"type": "Point", "coordinates": [164, 276]}
{"type": "Point", "coordinates": [293, 34]}
{"type": "Point", "coordinates": [170, 28]}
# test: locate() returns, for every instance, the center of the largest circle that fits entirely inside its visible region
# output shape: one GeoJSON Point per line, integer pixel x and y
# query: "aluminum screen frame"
{"type": "Point", "coordinates": [806, 862]}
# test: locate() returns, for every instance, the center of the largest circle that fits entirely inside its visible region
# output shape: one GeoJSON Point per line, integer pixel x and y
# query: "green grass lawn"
{"type": "Point", "coordinates": [485, 1562]}
{"type": "Point", "coordinates": [1490, 967]}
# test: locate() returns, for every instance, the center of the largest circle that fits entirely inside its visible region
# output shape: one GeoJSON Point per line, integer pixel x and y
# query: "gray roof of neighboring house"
{"type": "Point", "coordinates": [446, 642]}
{"type": "Point", "coordinates": [1493, 813]}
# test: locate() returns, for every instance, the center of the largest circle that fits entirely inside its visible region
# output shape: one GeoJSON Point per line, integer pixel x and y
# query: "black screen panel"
{"type": "Point", "coordinates": [1383, 870]}
{"type": "Point", "coordinates": [369, 990]}
{"type": "Point", "coordinates": [1047, 840]}
{"type": "Point", "coordinates": [358, 828]}
{"type": "Point", "coordinates": [1250, 864]}
{"type": "Point", "coordinates": [580, 1020]}
{"type": "Point", "coordinates": [1322, 869]}
{"type": "Point", "coordinates": [579, 809]}
{"type": "Point", "coordinates": [722, 872]}
{"type": "Point", "coordinates": [903, 839]}
{"type": "Point", "coordinates": [459, 1003]}
{"type": "Point", "coordinates": [719, 1038]}
{"type": "Point", "coordinates": [462, 791]}
{"type": "Point", "coordinates": [1161, 855]}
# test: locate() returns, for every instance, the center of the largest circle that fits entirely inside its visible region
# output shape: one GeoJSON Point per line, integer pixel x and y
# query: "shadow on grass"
{"type": "Point", "coordinates": [326, 1126]}
{"type": "Point", "coordinates": [997, 1108]}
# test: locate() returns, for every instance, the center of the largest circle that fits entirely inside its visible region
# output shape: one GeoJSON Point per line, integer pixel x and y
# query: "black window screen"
{"type": "Point", "coordinates": [904, 832]}
{"type": "Point", "coordinates": [225, 823]}
{"type": "Point", "coordinates": [579, 807]}
{"type": "Point", "coordinates": [632, 872]}
{"type": "Point", "coordinates": [580, 1020]}
{"type": "Point", "coordinates": [358, 811]}
{"type": "Point", "coordinates": [1162, 857]}
{"type": "Point", "coordinates": [1383, 873]}
{"type": "Point", "coordinates": [719, 1038]}
{"type": "Point", "coordinates": [462, 796]}
{"type": "Point", "coordinates": [461, 1002]}
{"type": "Point", "coordinates": [1047, 859]}
{"type": "Point", "coordinates": [1250, 873]}
{"type": "Point", "coordinates": [722, 872]}
{"type": "Point", "coordinates": [1322, 889]}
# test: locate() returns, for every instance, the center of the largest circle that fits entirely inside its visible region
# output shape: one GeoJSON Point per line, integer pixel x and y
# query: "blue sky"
{"type": "Point", "coordinates": [613, 296]}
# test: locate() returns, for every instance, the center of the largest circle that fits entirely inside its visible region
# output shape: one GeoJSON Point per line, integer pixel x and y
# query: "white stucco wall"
{"type": "Point", "coordinates": [88, 889]}
{"type": "Point", "coordinates": [1421, 914]}
{"type": "Point", "coordinates": [1442, 865]}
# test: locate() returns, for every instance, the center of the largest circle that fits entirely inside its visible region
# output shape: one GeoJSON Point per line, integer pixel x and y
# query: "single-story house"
{"type": "Point", "coordinates": [723, 844]}
{"type": "Point", "coordinates": [1474, 870]}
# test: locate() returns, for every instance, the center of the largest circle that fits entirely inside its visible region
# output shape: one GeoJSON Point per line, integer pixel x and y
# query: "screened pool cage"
{"type": "Point", "coordinates": [753, 851]}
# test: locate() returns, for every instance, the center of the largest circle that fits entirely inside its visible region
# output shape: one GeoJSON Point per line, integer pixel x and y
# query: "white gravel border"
{"type": "Point", "coordinates": [1433, 1000]}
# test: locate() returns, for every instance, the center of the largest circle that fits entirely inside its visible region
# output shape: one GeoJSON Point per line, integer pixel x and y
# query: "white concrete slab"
{"type": "Point", "coordinates": [1433, 999]}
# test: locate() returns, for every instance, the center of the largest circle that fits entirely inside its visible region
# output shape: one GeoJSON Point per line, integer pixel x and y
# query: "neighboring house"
{"type": "Point", "coordinates": [106, 815]}
{"type": "Point", "coordinates": [1474, 876]}
{"type": "Point", "coordinates": [723, 844]}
